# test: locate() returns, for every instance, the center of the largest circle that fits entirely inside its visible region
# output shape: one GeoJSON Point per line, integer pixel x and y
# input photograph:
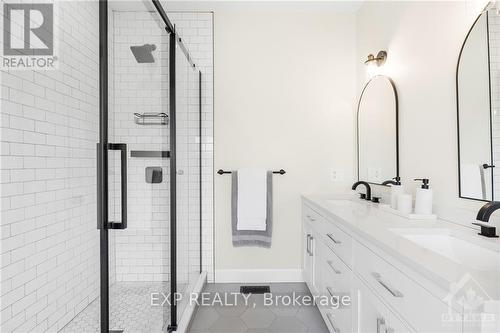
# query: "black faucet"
{"type": "Point", "coordinates": [396, 181]}
{"type": "Point", "coordinates": [484, 216]}
{"type": "Point", "coordinates": [368, 189]}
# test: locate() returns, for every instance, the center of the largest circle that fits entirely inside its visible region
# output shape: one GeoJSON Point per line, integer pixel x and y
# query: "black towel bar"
{"type": "Point", "coordinates": [222, 172]}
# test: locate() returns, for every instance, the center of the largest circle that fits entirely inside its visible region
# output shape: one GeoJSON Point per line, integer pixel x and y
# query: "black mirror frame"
{"type": "Point", "coordinates": [458, 110]}
{"type": "Point", "coordinates": [396, 100]}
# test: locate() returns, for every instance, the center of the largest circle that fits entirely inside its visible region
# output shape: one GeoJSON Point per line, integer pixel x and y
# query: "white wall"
{"type": "Point", "coordinates": [285, 94]}
{"type": "Point", "coordinates": [49, 241]}
{"type": "Point", "coordinates": [423, 40]}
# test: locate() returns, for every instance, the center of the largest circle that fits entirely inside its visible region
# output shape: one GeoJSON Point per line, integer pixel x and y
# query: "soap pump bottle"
{"type": "Point", "coordinates": [396, 190]}
{"type": "Point", "coordinates": [423, 200]}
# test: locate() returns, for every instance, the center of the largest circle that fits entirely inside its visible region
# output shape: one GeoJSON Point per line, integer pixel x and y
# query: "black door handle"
{"type": "Point", "coordinates": [487, 166]}
{"type": "Point", "coordinates": [122, 147]}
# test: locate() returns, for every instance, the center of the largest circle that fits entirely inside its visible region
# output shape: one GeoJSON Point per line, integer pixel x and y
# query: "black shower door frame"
{"type": "Point", "coordinates": [102, 164]}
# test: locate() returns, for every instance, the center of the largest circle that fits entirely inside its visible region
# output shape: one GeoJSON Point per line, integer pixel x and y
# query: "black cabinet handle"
{"type": "Point", "coordinates": [122, 147]}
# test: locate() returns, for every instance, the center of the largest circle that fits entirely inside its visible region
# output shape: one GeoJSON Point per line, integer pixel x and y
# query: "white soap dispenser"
{"type": "Point", "coordinates": [396, 190]}
{"type": "Point", "coordinates": [423, 200]}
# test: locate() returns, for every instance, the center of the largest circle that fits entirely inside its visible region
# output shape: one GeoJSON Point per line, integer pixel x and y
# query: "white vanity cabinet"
{"type": "Point", "coordinates": [335, 281]}
{"type": "Point", "coordinates": [337, 262]}
{"type": "Point", "coordinates": [372, 315]}
{"type": "Point", "coordinates": [310, 237]}
{"type": "Point", "coordinates": [308, 256]}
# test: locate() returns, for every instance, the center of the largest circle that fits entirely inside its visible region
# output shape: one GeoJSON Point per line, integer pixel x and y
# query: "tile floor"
{"type": "Point", "coordinates": [255, 317]}
{"type": "Point", "coordinates": [130, 310]}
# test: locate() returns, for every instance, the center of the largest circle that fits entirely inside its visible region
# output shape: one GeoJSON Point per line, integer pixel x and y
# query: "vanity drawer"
{"type": "Point", "coordinates": [335, 274]}
{"type": "Point", "coordinates": [309, 215]}
{"type": "Point", "coordinates": [416, 305]}
{"type": "Point", "coordinates": [338, 241]}
{"type": "Point", "coordinates": [338, 321]}
{"type": "Point", "coordinates": [336, 282]}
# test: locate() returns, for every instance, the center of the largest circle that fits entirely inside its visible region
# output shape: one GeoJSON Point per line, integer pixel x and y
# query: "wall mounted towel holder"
{"type": "Point", "coordinates": [222, 172]}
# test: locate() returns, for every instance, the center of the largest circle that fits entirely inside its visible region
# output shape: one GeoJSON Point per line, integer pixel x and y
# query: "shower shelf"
{"type": "Point", "coordinates": [151, 118]}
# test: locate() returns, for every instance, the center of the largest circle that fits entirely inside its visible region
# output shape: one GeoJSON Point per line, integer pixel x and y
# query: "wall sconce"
{"type": "Point", "coordinates": [379, 60]}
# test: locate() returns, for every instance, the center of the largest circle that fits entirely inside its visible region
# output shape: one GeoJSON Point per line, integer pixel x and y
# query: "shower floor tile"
{"type": "Point", "coordinates": [130, 310]}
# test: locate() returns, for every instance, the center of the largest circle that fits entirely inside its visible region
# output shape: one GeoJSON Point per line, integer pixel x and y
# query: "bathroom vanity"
{"type": "Point", "coordinates": [401, 275]}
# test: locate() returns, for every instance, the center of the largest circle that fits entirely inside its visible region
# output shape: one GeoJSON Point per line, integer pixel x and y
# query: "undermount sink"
{"type": "Point", "coordinates": [441, 241]}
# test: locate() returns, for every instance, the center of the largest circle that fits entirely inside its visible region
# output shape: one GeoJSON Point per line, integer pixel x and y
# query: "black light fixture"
{"type": "Point", "coordinates": [379, 60]}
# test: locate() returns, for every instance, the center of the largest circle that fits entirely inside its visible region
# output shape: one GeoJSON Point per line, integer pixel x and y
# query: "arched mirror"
{"type": "Point", "coordinates": [378, 144]}
{"type": "Point", "coordinates": [478, 109]}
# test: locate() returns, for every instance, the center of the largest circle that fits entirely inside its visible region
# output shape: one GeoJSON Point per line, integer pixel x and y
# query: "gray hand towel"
{"type": "Point", "coordinates": [251, 237]}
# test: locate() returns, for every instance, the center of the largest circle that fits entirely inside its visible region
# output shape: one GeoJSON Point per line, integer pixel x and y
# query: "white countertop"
{"type": "Point", "coordinates": [441, 251]}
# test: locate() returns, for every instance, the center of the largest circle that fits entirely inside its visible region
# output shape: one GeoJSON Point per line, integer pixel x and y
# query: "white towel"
{"type": "Point", "coordinates": [473, 182]}
{"type": "Point", "coordinates": [252, 200]}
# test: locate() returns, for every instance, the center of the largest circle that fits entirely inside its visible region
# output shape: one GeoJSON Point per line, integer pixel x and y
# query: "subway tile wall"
{"type": "Point", "coordinates": [49, 129]}
{"type": "Point", "coordinates": [142, 251]}
{"type": "Point", "coordinates": [196, 29]}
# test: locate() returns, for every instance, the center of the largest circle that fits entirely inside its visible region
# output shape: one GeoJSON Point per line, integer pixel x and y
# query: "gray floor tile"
{"type": "Point", "coordinates": [288, 324]}
{"type": "Point", "coordinates": [231, 311]}
{"type": "Point", "coordinates": [285, 311]}
{"type": "Point", "coordinates": [258, 318]}
{"type": "Point", "coordinates": [204, 318]}
{"type": "Point", "coordinates": [289, 288]}
{"type": "Point", "coordinates": [258, 330]}
{"type": "Point", "coordinates": [308, 314]}
{"type": "Point", "coordinates": [312, 319]}
{"type": "Point", "coordinates": [222, 287]}
{"type": "Point", "coordinates": [228, 325]}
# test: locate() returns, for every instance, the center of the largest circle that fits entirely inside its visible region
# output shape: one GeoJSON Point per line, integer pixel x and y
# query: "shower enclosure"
{"type": "Point", "coordinates": [149, 171]}
{"type": "Point", "coordinates": [100, 226]}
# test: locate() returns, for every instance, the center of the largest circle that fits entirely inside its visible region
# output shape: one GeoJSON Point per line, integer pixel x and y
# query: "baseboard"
{"type": "Point", "coordinates": [258, 275]}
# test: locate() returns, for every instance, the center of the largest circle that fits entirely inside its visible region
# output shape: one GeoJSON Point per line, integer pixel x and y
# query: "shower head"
{"type": "Point", "coordinates": [143, 53]}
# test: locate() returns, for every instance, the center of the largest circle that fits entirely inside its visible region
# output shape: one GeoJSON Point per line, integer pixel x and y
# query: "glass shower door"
{"type": "Point", "coordinates": [150, 171]}
{"type": "Point", "coordinates": [188, 177]}
{"type": "Point", "coordinates": [138, 109]}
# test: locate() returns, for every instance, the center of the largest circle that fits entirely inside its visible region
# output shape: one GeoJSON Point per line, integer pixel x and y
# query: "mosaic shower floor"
{"type": "Point", "coordinates": [130, 310]}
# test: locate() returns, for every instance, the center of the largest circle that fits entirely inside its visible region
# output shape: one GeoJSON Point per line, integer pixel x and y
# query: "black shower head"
{"type": "Point", "coordinates": [143, 53]}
